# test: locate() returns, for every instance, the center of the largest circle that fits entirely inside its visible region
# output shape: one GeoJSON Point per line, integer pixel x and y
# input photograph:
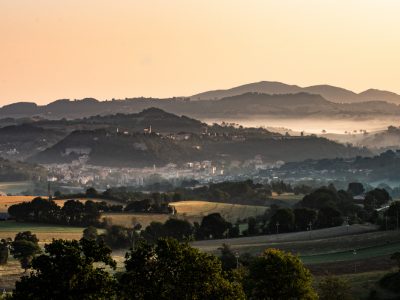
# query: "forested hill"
{"type": "Point", "coordinates": [107, 148]}
{"type": "Point", "coordinates": [155, 137]}
{"type": "Point", "coordinates": [382, 167]}
{"type": "Point", "coordinates": [245, 105]}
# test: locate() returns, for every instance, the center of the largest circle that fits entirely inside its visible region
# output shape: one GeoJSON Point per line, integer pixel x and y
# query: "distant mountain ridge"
{"type": "Point", "coordinates": [260, 99]}
{"type": "Point", "coordinates": [331, 93]}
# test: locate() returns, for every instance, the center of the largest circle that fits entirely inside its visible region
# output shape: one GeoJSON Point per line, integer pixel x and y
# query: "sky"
{"type": "Point", "coordinates": [129, 48]}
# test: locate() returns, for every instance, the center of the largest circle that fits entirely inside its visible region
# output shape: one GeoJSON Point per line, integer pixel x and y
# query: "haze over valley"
{"type": "Point", "coordinates": [187, 150]}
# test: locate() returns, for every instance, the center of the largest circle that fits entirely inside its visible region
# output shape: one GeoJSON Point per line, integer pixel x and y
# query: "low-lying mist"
{"type": "Point", "coordinates": [315, 125]}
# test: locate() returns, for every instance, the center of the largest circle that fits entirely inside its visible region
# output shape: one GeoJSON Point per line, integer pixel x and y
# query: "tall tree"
{"type": "Point", "coordinates": [214, 226]}
{"type": "Point", "coordinates": [24, 248]}
{"type": "Point", "coordinates": [304, 217]}
{"type": "Point", "coordinates": [280, 276]}
{"type": "Point", "coordinates": [282, 220]}
{"type": "Point", "coordinates": [355, 188]}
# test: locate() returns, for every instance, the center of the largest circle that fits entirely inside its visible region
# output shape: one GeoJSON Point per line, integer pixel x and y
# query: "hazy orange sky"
{"type": "Point", "coordinates": [52, 49]}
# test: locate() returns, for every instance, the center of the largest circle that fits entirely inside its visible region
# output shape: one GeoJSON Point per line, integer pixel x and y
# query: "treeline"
{"type": "Point", "coordinates": [244, 192]}
{"type": "Point", "coordinates": [213, 226]}
{"type": "Point", "coordinates": [325, 207]}
{"type": "Point", "coordinates": [148, 202]}
{"type": "Point", "coordinates": [73, 212]}
{"type": "Point", "coordinates": [79, 213]}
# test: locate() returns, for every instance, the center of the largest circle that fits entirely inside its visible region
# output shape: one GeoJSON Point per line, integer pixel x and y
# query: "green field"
{"type": "Point", "coordinates": [44, 232]}
{"type": "Point", "coordinates": [363, 253]}
{"type": "Point", "coordinates": [335, 239]}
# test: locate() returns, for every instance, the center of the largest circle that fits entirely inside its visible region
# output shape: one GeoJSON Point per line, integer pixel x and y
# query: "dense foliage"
{"type": "Point", "coordinates": [279, 276]}
{"type": "Point", "coordinates": [24, 248]}
{"type": "Point", "coordinates": [74, 212]}
{"type": "Point", "coordinates": [169, 270]}
{"type": "Point", "coordinates": [66, 271]}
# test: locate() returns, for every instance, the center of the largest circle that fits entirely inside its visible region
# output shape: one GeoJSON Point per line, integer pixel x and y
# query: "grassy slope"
{"type": "Point", "coordinates": [44, 232]}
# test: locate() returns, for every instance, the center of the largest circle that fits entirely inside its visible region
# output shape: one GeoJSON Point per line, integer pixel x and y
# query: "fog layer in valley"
{"type": "Point", "coordinates": [314, 125]}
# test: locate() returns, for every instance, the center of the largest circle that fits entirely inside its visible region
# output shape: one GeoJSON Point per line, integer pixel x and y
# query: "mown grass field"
{"type": "Point", "coordinates": [128, 219]}
{"type": "Point", "coordinates": [231, 212]}
{"type": "Point", "coordinates": [44, 232]}
{"type": "Point", "coordinates": [385, 249]}
{"type": "Point", "coordinates": [7, 201]}
{"type": "Point", "coordinates": [318, 241]}
{"type": "Point", "coordinates": [193, 211]}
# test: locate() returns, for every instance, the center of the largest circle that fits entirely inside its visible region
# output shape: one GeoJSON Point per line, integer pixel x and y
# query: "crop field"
{"type": "Point", "coordinates": [7, 201]}
{"type": "Point", "coordinates": [44, 232]}
{"type": "Point", "coordinates": [128, 219]}
{"type": "Point", "coordinates": [193, 211]}
{"type": "Point", "coordinates": [231, 212]}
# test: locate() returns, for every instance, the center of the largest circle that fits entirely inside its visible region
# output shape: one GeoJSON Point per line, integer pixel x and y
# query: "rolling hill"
{"type": "Point", "coordinates": [331, 93]}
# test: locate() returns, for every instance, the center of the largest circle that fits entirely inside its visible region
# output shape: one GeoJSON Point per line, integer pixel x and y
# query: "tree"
{"type": "Point", "coordinates": [375, 199]}
{"type": "Point", "coordinates": [116, 237]}
{"type": "Point", "coordinates": [280, 276]}
{"type": "Point", "coordinates": [319, 198]}
{"type": "Point", "coordinates": [284, 217]}
{"type": "Point", "coordinates": [66, 271]}
{"type": "Point", "coordinates": [334, 288]}
{"type": "Point", "coordinates": [329, 217]}
{"type": "Point", "coordinates": [252, 226]}
{"type": "Point", "coordinates": [4, 250]}
{"type": "Point", "coordinates": [24, 248]}
{"type": "Point", "coordinates": [153, 232]}
{"type": "Point", "coordinates": [227, 257]}
{"type": "Point", "coordinates": [178, 229]}
{"type": "Point", "coordinates": [170, 270]}
{"type": "Point", "coordinates": [303, 217]}
{"type": "Point", "coordinates": [90, 233]}
{"type": "Point", "coordinates": [393, 213]}
{"type": "Point", "coordinates": [355, 188]}
{"type": "Point", "coordinates": [92, 193]}
{"type": "Point", "coordinates": [214, 226]}
{"type": "Point", "coordinates": [73, 211]}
